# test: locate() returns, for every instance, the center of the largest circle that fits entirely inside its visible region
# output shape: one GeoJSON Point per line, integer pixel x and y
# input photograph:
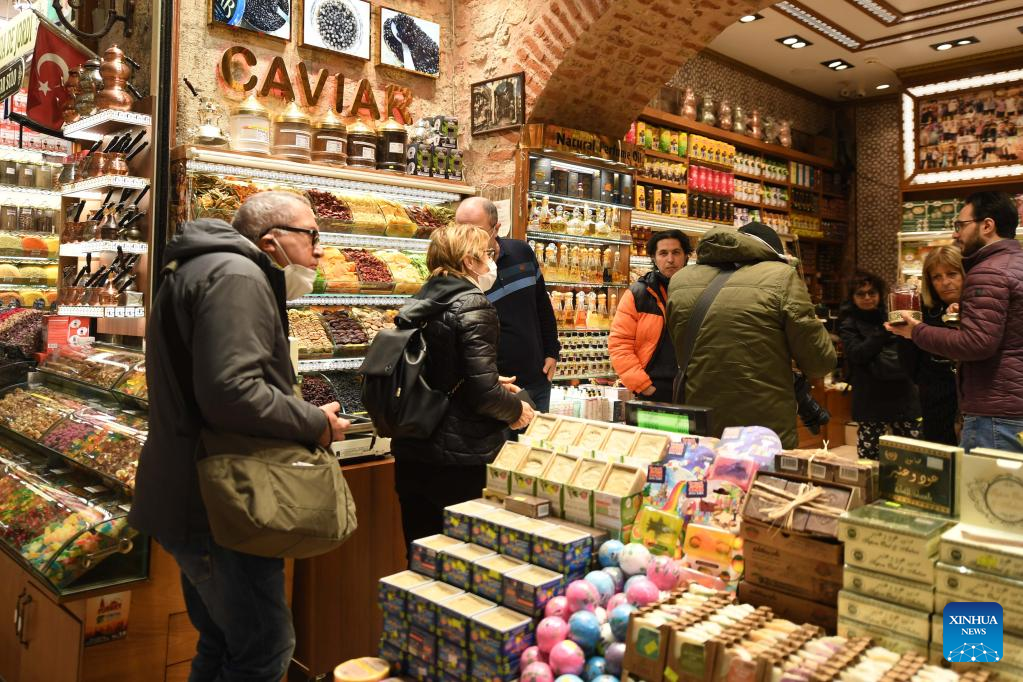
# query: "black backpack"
{"type": "Point", "coordinates": [394, 388]}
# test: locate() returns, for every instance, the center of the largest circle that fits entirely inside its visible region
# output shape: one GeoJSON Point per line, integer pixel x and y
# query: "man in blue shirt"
{"type": "Point", "coordinates": [528, 349]}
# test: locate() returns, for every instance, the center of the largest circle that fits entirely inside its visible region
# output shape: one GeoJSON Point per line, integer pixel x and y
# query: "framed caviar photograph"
{"type": "Point", "coordinates": [267, 17]}
{"type": "Point", "coordinates": [409, 43]}
{"type": "Point", "coordinates": [498, 103]}
{"type": "Point", "coordinates": [339, 26]}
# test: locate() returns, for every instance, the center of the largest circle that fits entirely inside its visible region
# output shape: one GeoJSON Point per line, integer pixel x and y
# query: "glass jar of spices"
{"type": "Point", "coordinates": [391, 146]}
{"type": "Point", "coordinates": [330, 140]}
{"type": "Point", "coordinates": [362, 145]}
{"type": "Point", "coordinates": [250, 127]}
{"type": "Point", "coordinates": [44, 176]}
{"type": "Point", "coordinates": [293, 134]}
{"type": "Point", "coordinates": [9, 173]}
{"type": "Point", "coordinates": [9, 218]}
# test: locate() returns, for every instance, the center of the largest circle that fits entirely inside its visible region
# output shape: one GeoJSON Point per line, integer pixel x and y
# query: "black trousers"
{"type": "Point", "coordinates": [425, 489]}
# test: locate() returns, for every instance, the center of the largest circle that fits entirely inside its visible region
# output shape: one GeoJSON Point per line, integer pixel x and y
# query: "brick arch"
{"type": "Point", "coordinates": [594, 64]}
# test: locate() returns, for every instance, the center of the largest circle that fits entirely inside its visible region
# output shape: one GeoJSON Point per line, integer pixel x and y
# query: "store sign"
{"type": "Point", "coordinates": [238, 63]}
{"type": "Point", "coordinates": [18, 37]}
{"type": "Point", "coordinates": [11, 77]}
{"type": "Point", "coordinates": [589, 144]}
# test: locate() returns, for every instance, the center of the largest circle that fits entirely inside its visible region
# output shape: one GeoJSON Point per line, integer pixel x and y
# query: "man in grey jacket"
{"type": "Point", "coordinates": [218, 357]}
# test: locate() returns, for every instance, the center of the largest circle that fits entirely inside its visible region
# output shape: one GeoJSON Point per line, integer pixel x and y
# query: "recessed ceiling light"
{"type": "Point", "coordinates": [944, 46]}
{"type": "Point", "coordinates": [841, 67]}
{"type": "Point", "coordinates": [749, 18]}
{"type": "Point", "coordinates": [789, 41]}
{"type": "Point", "coordinates": [797, 45]}
{"type": "Point", "coordinates": [837, 64]}
{"type": "Point", "coordinates": [958, 42]}
{"type": "Point", "coordinates": [883, 86]}
{"type": "Point", "coordinates": [963, 42]}
{"type": "Point", "coordinates": [794, 41]}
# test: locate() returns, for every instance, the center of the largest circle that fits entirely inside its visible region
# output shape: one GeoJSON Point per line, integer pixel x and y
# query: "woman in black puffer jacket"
{"type": "Point", "coordinates": [461, 335]}
{"type": "Point", "coordinates": [883, 396]}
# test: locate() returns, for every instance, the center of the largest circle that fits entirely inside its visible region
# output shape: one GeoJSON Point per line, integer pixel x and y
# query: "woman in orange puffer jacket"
{"type": "Point", "coordinates": [641, 350]}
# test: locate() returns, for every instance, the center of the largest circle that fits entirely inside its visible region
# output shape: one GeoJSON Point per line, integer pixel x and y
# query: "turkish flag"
{"type": "Point", "coordinates": [53, 59]}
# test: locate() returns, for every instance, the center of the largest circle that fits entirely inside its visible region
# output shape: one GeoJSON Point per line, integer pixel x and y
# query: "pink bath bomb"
{"type": "Point", "coordinates": [616, 601]}
{"type": "Point", "coordinates": [558, 606]}
{"type": "Point", "coordinates": [663, 572]}
{"type": "Point", "coordinates": [642, 592]}
{"type": "Point", "coordinates": [549, 632]}
{"type": "Point", "coordinates": [532, 655]}
{"type": "Point", "coordinates": [567, 658]}
{"type": "Point", "coordinates": [537, 672]}
{"type": "Point", "coordinates": [582, 596]}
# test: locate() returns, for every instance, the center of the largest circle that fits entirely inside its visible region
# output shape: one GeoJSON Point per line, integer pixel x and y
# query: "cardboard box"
{"type": "Point", "coordinates": [920, 474]}
{"type": "Point", "coordinates": [456, 564]}
{"type": "Point", "coordinates": [848, 627]}
{"type": "Point", "coordinates": [395, 631]}
{"type": "Point", "coordinates": [825, 550]}
{"type": "Point", "coordinates": [392, 590]}
{"type": "Point", "coordinates": [499, 472]}
{"type": "Point", "coordinates": [550, 486]}
{"type": "Point", "coordinates": [517, 537]}
{"type": "Point", "coordinates": [486, 531]}
{"type": "Point", "coordinates": [1012, 621]}
{"type": "Point", "coordinates": [565, 434]}
{"type": "Point", "coordinates": [488, 670]}
{"type": "Point", "coordinates": [970, 585]}
{"type": "Point", "coordinates": [815, 518]}
{"type": "Point", "coordinates": [422, 644]}
{"type": "Point", "coordinates": [452, 659]}
{"type": "Point", "coordinates": [889, 539]}
{"type": "Point", "coordinates": [529, 471]}
{"type": "Point", "coordinates": [785, 605]}
{"type": "Point", "coordinates": [908, 593]}
{"type": "Point", "coordinates": [579, 492]}
{"type": "Point", "coordinates": [488, 575]}
{"type": "Point", "coordinates": [458, 518]}
{"type": "Point", "coordinates": [812, 465]}
{"type": "Point", "coordinates": [992, 490]}
{"type": "Point", "coordinates": [769, 567]}
{"type": "Point", "coordinates": [590, 439]}
{"type": "Point", "coordinates": [528, 505]}
{"type": "Point", "coordinates": [528, 589]}
{"type": "Point", "coordinates": [418, 669]}
{"type": "Point", "coordinates": [424, 603]}
{"type": "Point", "coordinates": [562, 549]}
{"type": "Point", "coordinates": [499, 634]}
{"type": "Point", "coordinates": [598, 535]}
{"type": "Point", "coordinates": [394, 656]}
{"type": "Point", "coordinates": [904, 621]}
{"type": "Point", "coordinates": [650, 446]}
{"type": "Point", "coordinates": [617, 501]}
{"type": "Point", "coordinates": [619, 442]}
{"type": "Point", "coordinates": [454, 616]}
{"type": "Point", "coordinates": [540, 430]}
{"type": "Point", "coordinates": [984, 550]}
{"type": "Point", "coordinates": [425, 555]}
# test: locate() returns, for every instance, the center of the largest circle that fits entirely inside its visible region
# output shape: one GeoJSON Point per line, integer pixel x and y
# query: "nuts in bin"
{"type": "Point", "coordinates": [306, 327]}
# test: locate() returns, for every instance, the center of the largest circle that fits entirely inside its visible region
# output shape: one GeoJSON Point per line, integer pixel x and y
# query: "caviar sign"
{"type": "Point", "coordinates": [11, 77]}
{"type": "Point", "coordinates": [241, 71]}
{"type": "Point", "coordinates": [589, 144]}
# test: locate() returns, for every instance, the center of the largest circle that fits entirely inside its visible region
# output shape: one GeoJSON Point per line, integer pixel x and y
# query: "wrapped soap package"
{"type": "Point", "coordinates": [455, 614]}
{"type": "Point", "coordinates": [517, 537]}
{"type": "Point", "coordinates": [488, 575]}
{"type": "Point", "coordinates": [992, 490]}
{"type": "Point", "coordinates": [456, 563]}
{"type": "Point", "coordinates": [499, 472]}
{"type": "Point", "coordinates": [920, 474]}
{"type": "Point", "coordinates": [424, 602]}
{"type": "Point", "coordinates": [425, 554]}
{"type": "Point", "coordinates": [529, 588]}
{"type": "Point", "coordinates": [984, 550]}
{"type": "Point", "coordinates": [393, 590]}
{"type": "Point", "coordinates": [619, 497]}
{"type": "Point", "coordinates": [891, 539]}
{"type": "Point", "coordinates": [562, 549]}
{"type": "Point", "coordinates": [458, 518]}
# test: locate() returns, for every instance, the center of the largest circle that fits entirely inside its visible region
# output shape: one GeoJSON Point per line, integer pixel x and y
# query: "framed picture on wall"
{"type": "Point", "coordinates": [409, 43]}
{"type": "Point", "coordinates": [498, 103]}
{"type": "Point", "coordinates": [339, 26]}
{"type": "Point", "coordinates": [266, 17]}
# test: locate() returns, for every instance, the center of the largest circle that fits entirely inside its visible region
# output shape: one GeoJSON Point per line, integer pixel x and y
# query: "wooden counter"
{"type": "Point", "coordinates": [335, 595]}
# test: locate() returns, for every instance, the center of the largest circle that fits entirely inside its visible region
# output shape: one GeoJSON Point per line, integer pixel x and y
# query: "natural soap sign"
{"type": "Point", "coordinates": [972, 632]}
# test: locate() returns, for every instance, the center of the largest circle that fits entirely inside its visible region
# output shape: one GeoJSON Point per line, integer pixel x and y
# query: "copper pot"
{"type": "Point", "coordinates": [96, 164]}
{"type": "Point", "coordinates": [117, 164]}
{"type": "Point", "coordinates": [89, 83]}
{"type": "Point", "coordinates": [70, 113]}
{"type": "Point", "coordinates": [115, 72]}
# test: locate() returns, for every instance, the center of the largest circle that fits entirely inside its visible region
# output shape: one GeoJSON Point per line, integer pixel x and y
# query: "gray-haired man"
{"type": "Point", "coordinates": [218, 357]}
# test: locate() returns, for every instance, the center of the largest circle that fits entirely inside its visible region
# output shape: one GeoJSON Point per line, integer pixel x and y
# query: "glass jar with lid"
{"type": "Point", "coordinates": [391, 140]}
{"type": "Point", "coordinates": [293, 134]}
{"type": "Point", "coordinates": [330, 140]}
{"type": "Point", "coordinates": [362, 145]}
{"type": "Point", "coordinates": [250, 127]}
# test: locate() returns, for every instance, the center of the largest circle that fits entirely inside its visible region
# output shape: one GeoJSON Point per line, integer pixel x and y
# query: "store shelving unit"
{"type": "Point", "coordinates": [102, 245]}
{"type": "Point", "coordinates": [107, 122]}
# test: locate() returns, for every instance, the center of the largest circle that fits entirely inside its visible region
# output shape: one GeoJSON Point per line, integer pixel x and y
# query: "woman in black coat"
{"type": "Point", "coordinates": [461, 336]}
{"type": "Point", "coordinates": [883, 397]}
{"type": "Point", "coordinates": [943, 277]}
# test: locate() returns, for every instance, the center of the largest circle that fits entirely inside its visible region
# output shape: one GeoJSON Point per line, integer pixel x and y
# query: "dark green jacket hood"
{"type": "Point", "coordinates": [723, 245]}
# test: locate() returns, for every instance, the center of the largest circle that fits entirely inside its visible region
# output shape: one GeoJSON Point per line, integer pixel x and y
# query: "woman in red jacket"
{"type": "Point", "coordinates": [641, 350]}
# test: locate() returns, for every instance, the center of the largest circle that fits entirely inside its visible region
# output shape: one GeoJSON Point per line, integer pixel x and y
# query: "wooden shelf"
{"type": "Point", "coordinates": [660, 183]}
{"type": "Point", "coordinates": [777, 183]}
{"type": "Point", "coordinates": [743, 202]}
{"type": "Point", "coordinates": [713, 165]}
{"type": "Point", "coordinates": [664, 156]}
{"type": "Point", "coordinates": [748, 176]}
{"type": "Point", "coordinates": [673, 121]}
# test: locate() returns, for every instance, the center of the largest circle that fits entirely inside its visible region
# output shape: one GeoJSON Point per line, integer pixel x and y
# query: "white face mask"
{"type": "Point", "coordinates": [298, 279]}
{"type": "Point", "coordinates": [486, 280]}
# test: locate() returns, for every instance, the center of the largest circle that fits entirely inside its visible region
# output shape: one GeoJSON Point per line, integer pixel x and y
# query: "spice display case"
{"type": "Point", "coordinates": [72, 535]}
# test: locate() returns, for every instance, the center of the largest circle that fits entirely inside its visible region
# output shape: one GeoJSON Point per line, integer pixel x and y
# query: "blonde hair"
{"type": "Point", "coordinates": [941, 255]}
{"type": "Point", "coordinates": [450, 245]}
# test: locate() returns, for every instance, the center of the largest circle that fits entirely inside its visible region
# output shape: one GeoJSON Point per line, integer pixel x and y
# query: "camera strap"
{"type": "Point", "coordinates": [693, 329]}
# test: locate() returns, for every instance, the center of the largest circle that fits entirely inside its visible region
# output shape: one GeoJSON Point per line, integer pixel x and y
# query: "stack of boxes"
{"type": "Point", "coordinates": [468, 607]}
{"type": "Point", "coordinates": [792, 556]}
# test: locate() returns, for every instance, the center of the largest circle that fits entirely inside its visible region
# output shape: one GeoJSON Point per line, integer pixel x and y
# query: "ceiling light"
{"type": "Point", "coordinates": [798, 45]}
{"type": "Point", "coordinates": [837, 62]}
{"type": "Point", "coordinates": [789, 41]}
{"type": "Point", "coordinates": [841, 67]}
{"type": "Point", "coordinates": [943, 47]}
{"type": "Point", "coordinates": [965, 41]}
{"type": "Point", "coordinates": [958, 42]}
{"type": "Point", "coordinates": [883, 86]}
{"type": "Point", "coordinates": [794, 41]}
{"type": "Point", "coordinates": [749, 18]}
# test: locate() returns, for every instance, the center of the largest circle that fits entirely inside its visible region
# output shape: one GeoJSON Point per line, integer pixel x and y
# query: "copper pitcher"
{"type": "Point", "coordinates": [115, 72]}
{"type": "Point", "coordinates": [70, 113]}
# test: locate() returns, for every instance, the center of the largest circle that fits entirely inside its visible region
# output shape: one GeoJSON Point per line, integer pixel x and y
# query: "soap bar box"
{"type": "Point", "coordinates": [517, 535]}
{"type": "Point", "coordinates": [486, 531]}
{"type": "Point", "coordinates": [424, 603]}
{"type": "Point", "coordinates": [392, 590]}
{"type": "Point", "coordinates": [908, 593]}
{"type": "Point", "coordinates": [908, 623]}
{"type": "Point", "coordinates": [540, 430]}
{"type": "Point", "coordinates": [418, 669]}
{"type": "Point", "coordinates": [528, 589]}
{"type": "Point", "coordinates": [395, 631]}
{"type": "Point", "coordinates": [562, 549]}
{"type": "Point", "coordinates": [453, 660]}
{"type": "Point", "coordinates": [617, 501]}
{"type": "Point", "coordinates": [769, 567]}
{"type": "Point", "coordinates": [532, 466]}
{"type": "Point", "coordinates": [984, 550]}
{"type": "Point", "coordinates": [920, 474]}
{"type": "Point", "coordinates": [422, 644]}
{"type": "Point", "coordinates": [499, 635]}
{"type": "Point", "coordinates": [565, 434]}
{"type": "Point", "coordinates": [425, 555]}
{"type": "Point", "coordinates": [550, 486]}
{"type": "Point", "coordinates": [488, 575]}
{"type": "Point", "coordinates": [1012, 621]}
{"type": "Point", "coordinates": [784, 605]}
{"type": "Point", "coordinates": [824, 550]}
{"type": "Point", "coordinates": [992, 490]}
{"type": "Point", "coordinates": [970, 585]}
{"type": "Point", "coordinates": [1012, 645]}
{"type": "Point", "coordinates": [505, 464]}
{"type": "Point", "coordinates": [455, 614]}
{"type": "Point", "coordinates": [458, 518]}
{"type": "Point", "coordinates": [456, 563]}
{"type": "Point", "coordinates": [886, 538]}
{"type": "Point", "coordinates": [848, 627]}
{"type": "Point", "coordinates": [579, 492]}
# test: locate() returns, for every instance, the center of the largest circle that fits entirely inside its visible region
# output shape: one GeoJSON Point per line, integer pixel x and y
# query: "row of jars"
{"type": "Point", "coordinates": [582, 367]}
{"type": "Point", "coordinates": [294, 137]}
{"type": "Point", "coordinates": [27, 219]}
{"type": "Point", "coordinates": [25, 174]}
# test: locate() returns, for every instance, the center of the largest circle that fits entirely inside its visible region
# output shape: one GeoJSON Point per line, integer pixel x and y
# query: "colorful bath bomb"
{"type": "Point", "coordinates": [549, 632]}
{"type": "Point", "coordinates": [643, 592]}
{"type": "Point", "coordinates": [664, 572]}
{"type": "Point", "coordinates": [616, 601]}
{"type": "Point", "coordinates": [604, 583]}
{"type": "Point", "coordinates": [609, 552]}
{"type": "Point", "coordinates": [634, 558]}
{"type": "Point", "coordinates": [537, 672]}
{"type": "Point", "coordinates": [619, 620]}
{"type": "Point", "coordinates": [584, 630]}
{"type": "Point", "coordinates": [531, 655]}
{"type": "Point", "coordinates": [632, 581]}
{"type": "Point", "coordinates": [566, 658]}
{"type": "Point", "coordinates": [617, 575]}
{"type": "Point", "coordinates": [568, 678]}
{"type": "Point", "coordinates": [607, 638]}
{"type": "Point", "coordinates": [614, 656]}
{"type": "Point", "coordinates": [557, 606]}
{"type": "Point", "coordinates": [601, 613]}
{"type": "Point", "coordinates": [595, 667]}
{"type": "Point", "coordinates": [606, 678]}
{"type": "Point", "coordinates": [582, 596]}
